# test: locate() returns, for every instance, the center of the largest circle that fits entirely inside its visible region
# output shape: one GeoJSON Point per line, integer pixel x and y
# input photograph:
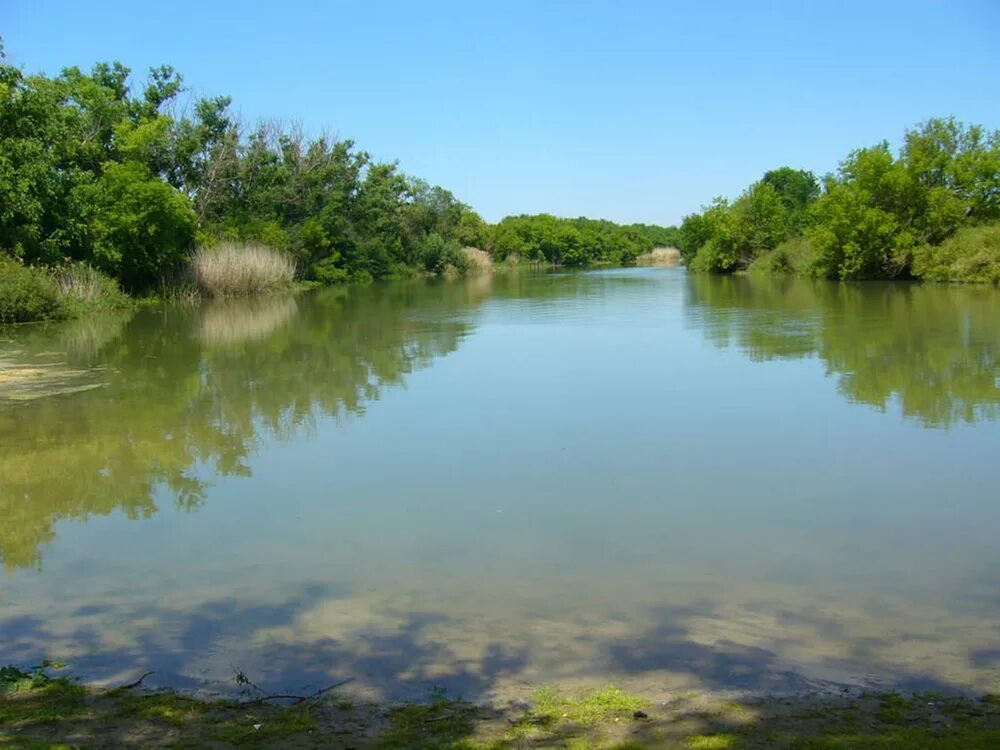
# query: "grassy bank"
{"type": "Point", "coordinates": [32, 294]}
{"type": "Point", "coordinates": [37, 711]}
{"type": "Point", "coordinates": [71, 291]}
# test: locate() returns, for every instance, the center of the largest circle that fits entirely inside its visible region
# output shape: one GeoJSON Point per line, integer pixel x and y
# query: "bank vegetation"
{"type": "Point", "coordinates": [929, 211]}
{"type": "Point", "coordinates": [137, 193]}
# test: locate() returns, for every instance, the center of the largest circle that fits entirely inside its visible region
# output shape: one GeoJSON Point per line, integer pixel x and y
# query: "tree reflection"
{"type": "Point", "coordinates": [121, 411]}
{"type": "Point", "coordinates": [933, 348]}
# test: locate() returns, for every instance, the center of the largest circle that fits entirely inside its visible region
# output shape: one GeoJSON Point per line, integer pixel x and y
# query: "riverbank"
{"type": "Point", "coordinates": [36, 295]}
{"type": "Point", "coordinates": [40, 711]}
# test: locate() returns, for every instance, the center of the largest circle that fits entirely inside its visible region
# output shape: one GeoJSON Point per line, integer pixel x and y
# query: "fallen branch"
{"type": "Point", "coordinates": [442, 717]}
{"type": "Point", "coordinates": [334, 686]}
{"type": "Point", "coordinates": [297, 698]}
{"type": "Point", "coordinates": [137, 683]}
{"type": "Point", "coordinates": [277, 696]}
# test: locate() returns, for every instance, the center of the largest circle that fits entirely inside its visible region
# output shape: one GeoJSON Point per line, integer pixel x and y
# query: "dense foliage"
{"type": "Point", "coordinates": [576, 242]}
{"type": "Point", "coordinates": [26, 293]}
{"type": "Point", "coordinates": [880, 216]}
{"type": "Point", "coordinates": [91, 172]}
{"type": "Point", "coordinates": [129, 182]}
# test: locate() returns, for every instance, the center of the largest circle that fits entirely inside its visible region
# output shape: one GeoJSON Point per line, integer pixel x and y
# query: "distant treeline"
{"type": "Point", "coordinates": [930, 212]}
{"type": "Point", "coordinates": [130, 182]}
{"type": "Point", "coordinates": [576, 242]}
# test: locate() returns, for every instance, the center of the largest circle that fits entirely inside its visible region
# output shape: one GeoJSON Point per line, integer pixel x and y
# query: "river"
{"type": "Point", "coordinates": [641, 477]}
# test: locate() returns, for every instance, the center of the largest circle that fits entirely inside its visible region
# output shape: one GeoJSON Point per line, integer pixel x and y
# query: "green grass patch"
{"type": "Point", "coordinates": [608, 703]}
{"type": "Point", "coordinates": [163, 706]}
{"type": "Point", "coordinates": [265, 727]}
{"type": "Point", "coordinates": [441, 723]}
{"type": "Point", "coordinates": [711, 742]}
{"type": "Point", "coordinates": [32, 697]}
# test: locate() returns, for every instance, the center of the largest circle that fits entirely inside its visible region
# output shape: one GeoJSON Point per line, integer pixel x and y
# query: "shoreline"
{"type": "Point", "coordinates": [131, 303]}
{"type": "Point", "coordinates": [37, 710]}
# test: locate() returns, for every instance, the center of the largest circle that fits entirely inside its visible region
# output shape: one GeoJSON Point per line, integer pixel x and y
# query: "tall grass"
{"type": "Point", "coordinates": [83, 285]}
{"type": "Point", "coordinates": [479, 261]}
{"type": "Point", "coordinates": [241, 269]}
{"type": "Point", "coordinates": [660, 256]}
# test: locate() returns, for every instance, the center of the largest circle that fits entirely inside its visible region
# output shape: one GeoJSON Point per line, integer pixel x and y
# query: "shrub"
{"type": "Point", "coordinates": [714, 257]}
{"type": "Point", "coordinates": [326, 271]}
{"type": "Point", "coordinates": [85, 288]}
{"type": "Point", "coordinates": [793, 256]}
{"type": "Point", "coordinates": [241, 269]}
{"type": "Point", "coordinates": [27, 294]}
{"type": "Point", "coordinates": [436, 255]}
{"type": "Point", "coordinates": [972, 254]}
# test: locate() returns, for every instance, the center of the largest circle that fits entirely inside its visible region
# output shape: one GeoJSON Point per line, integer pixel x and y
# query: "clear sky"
{"type": "Point", "coordinates": [632, 111]}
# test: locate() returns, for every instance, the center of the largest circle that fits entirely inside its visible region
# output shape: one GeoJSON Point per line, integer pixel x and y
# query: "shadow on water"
{"type": "Point", "coordinates": [402, 652]}
{"type": "Point", "coordinates": [934, 349]}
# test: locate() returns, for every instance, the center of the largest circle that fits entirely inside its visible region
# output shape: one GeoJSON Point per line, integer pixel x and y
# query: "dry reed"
{"type": "Point", "coordinates": [241, 269]}
{"type": "Point", "coordinates": [660, 256]}
{"type": "Point", "coordinates": [479, 261]}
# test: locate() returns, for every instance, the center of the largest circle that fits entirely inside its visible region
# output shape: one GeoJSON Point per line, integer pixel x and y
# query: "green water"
{"type": "Point", "coordinates": [641, 477]}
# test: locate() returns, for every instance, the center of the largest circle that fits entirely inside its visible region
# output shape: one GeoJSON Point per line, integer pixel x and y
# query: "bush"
{"type": "Point", "coordinates": [436, 254]}
{"type": "Point", "coordinates": [241, 269]}
{"type": "Point", "coordinates": [794, 256]}
{"type": "Point", "coordinates": [27, 294]}
{"type": "Point", "coordinates": [326, 271]}
{"type": "Point", "coordinates": [714, 257]}
{"type": "Point", "coordinates": [85, 288]}
{"type": "Point", "coordinates": [972, 254]}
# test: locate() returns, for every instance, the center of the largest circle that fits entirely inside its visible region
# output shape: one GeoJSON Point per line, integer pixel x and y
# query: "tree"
{"type": "Point", "coordinates": [797, 189]}
{"type": "Point", "coordinates": [141, 228]}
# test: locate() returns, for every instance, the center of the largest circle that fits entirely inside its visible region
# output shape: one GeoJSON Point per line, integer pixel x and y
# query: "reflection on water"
{"type": "Point", "coordinates": [177, 394]}
{"type": "Point", "coordinates": [633, 476]}
{"type": "Point", "coordinates": [934, 348]}
{"type": "Point", "coordinates": [232, 322]}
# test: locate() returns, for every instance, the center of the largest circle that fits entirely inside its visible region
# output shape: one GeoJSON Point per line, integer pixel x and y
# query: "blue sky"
{"type": "Point", "coordinates": [632, 111]}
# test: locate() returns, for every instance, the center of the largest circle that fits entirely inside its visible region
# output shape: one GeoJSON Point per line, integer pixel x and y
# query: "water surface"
{"type": "Point", "coordinates": [643, 477]}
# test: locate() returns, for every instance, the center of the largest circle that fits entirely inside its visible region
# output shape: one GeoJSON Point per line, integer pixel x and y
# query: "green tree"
{"type": "Point", "coordinates": [797, 188]}
{"type": "Point", "coordinates": [141, 227]}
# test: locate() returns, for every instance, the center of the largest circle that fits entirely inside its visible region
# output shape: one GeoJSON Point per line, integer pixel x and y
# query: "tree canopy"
{"type": "Point", "coordinates": [870, 219]}
{"type": "Point", "coordinates": [94, 168]}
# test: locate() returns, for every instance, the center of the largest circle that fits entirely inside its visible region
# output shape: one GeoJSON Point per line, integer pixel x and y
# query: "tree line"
{"type": "Point", "coordinates": [930, 211]}
{"type": "Point", "coordinates": [129, 180]}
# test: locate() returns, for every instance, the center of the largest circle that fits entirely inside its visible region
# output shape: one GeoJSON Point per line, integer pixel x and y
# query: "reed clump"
{"type": "Point", "coordinates": [660, 256]}
{"type": "Point", "coordinates": [479, 261]}
{"type": "Point", "coordinates": [84, 287]}
{"type": "Point", "coordinates": [241, 269]}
